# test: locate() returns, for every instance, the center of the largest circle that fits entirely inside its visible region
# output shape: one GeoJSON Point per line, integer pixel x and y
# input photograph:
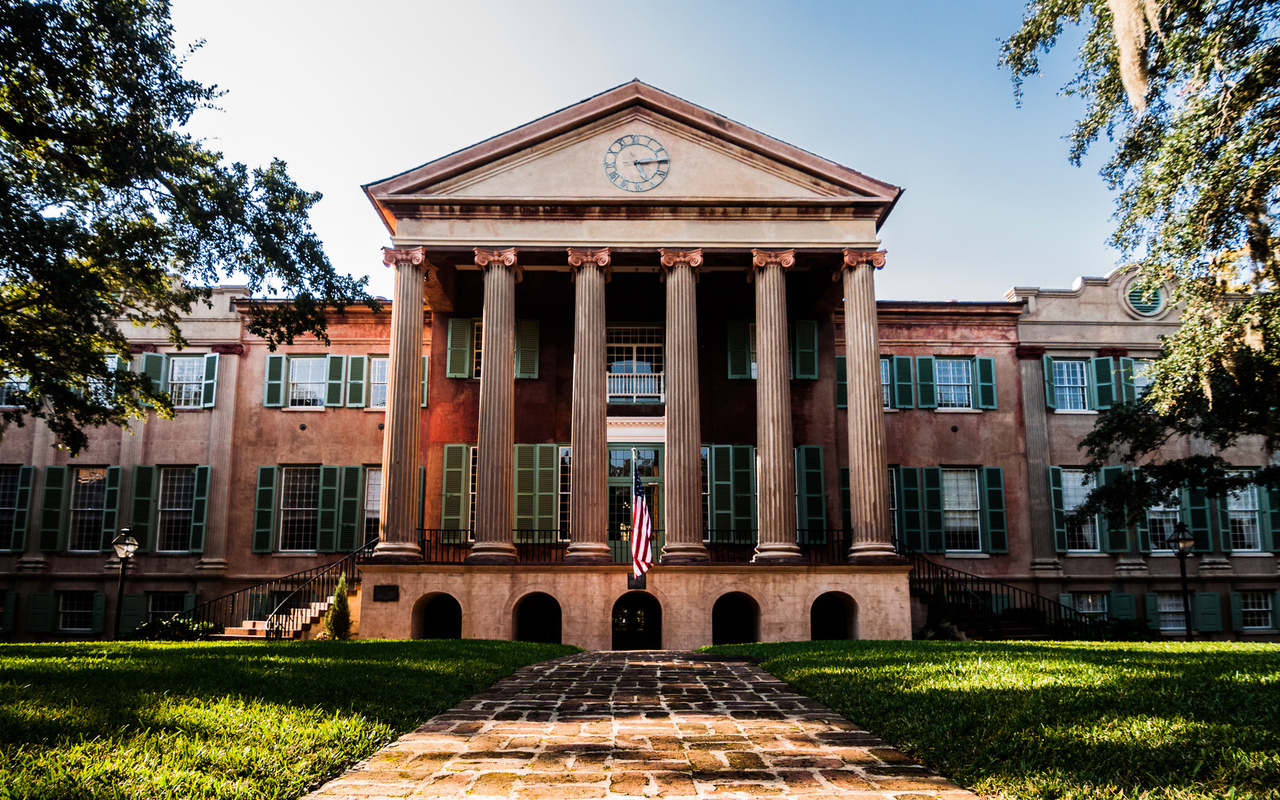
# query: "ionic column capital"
{"type": "Point", "coordinates": [499, 258]}
{"type": "Point", "coordinates": [409, 255]}
{"type": "Point", "coordinates": [854, 258]}
{"type": "Point", "coordinates": [762, 259]}
{"type": "Point", "coordinates": [580, 258]}
{"type": "Point", "coordinates": [678, 258]}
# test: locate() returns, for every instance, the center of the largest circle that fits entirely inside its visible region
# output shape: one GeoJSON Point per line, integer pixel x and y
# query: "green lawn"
{"type": "Point", "coordinates": [225, 720]}
{"type": "Point", "coordinates": [1060, 720]}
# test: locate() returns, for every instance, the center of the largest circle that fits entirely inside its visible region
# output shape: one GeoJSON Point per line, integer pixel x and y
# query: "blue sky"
{"type": "Point", "coordinates": [907, 91]}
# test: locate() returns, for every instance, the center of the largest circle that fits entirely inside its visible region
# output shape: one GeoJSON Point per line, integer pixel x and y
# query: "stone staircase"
{"type": "Point", "coordinates": [299, 623]}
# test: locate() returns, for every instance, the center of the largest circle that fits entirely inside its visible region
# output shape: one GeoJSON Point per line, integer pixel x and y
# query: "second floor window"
{"type": "Point", "coordinates": [306, 382]}
{"type": "Point", "coordinates": [8, 504]}
{"type": "Point", "coordinates": [88, 501]}
{"type": "Point", "coordinates": [11, 391]}
{"type": "Point", "coordinates": [1071, 385]}
{"type": "Point", "coordinates": [1242, 517]}
{"type": "Point", "coordinates": [886, 383]}
{"type": "Point", "coordinates": [186, 382]}
{"type": "Point", "coordinates": [378, 381]}
{"type": "Point", "coordinates": [174, 509]}
{"type": "Point", "coordinates": [635, 364]}
{"type": "Point", "coordinates": [954, 382]}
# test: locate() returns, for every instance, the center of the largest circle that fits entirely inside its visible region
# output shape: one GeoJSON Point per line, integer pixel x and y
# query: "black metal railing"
{"type": "Point", "coordinates": [991, 609]}
{"type": "Point", "coordinates": [284, 605]}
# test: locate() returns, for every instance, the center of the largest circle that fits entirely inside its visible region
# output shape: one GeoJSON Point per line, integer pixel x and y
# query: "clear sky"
{"type": "Point", "coordinates": [907, 91]}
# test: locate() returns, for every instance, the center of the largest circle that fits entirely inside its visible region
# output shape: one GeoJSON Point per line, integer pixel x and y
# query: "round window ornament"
{"type": "Point", "coordinates": [636, 163]}
{"type": "Point", "coordinates": [1146, 301]}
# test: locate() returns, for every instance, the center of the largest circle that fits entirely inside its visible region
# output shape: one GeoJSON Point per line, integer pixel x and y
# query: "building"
{"type": "Point", "coordinates": [629, 289]}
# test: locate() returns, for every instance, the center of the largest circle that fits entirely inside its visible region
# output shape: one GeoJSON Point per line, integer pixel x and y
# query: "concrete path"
{"type": "Point", "coordinates": [639, 724]}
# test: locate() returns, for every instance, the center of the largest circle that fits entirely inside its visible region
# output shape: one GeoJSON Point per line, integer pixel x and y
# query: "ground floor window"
{"type": "Point", "coordinates": [75, 611]}
{"type": "Point", "coordinates": [1173, 616]}
{"type": "Point", "coordinates": [1082, 531]}
{"type": "Point", "coordinates": [299, 508]}
{"type": "Point", "coordinates": [162, 605]}
{"type": "Point", "coordinates": [961, 528]}
{"type": "Point", "coordinates": [1091, 605]}
{"type": "Point", "coordinates": [372, 502]}
{"type": "Point", "coordinates": [1255, 610]}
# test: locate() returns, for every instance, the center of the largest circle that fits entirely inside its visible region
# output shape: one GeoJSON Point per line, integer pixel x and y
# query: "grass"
{"type": "Point", "coordinates": [1060, 720]}
{"type": "Point", "coordinates": [222, 720]}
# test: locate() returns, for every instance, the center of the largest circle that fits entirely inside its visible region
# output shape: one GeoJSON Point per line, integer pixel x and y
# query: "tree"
{"type": "Point", "coordinates": [1189, 92]}
{"type": "Point", "coordinates": [109, 211]}
{"type": "Point", "coordinates": [337, 620]}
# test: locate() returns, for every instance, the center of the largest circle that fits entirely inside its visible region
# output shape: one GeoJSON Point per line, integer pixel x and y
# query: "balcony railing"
{"type": "Point", "coordinates": [636, 387]}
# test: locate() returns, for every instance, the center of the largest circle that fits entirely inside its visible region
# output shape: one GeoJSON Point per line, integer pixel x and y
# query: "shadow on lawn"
{"type": "Point", "coordinates": [64, 692]}
{"type": "Point", "coordinates": [1136, 718]}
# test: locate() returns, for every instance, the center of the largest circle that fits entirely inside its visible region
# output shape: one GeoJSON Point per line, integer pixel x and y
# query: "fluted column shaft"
{"type": "Point", "coordinates": [496, 440]}
{"type": "Point", "coordinates": [868, 448]}
{"type": "Point", "coordinates": [398, 523]}
{"type": "Point", "coordinates": [589, 464]}
{"type": "Point", "coordinates": [683, 480]}
{"type": "Point", "coordinates": [776, 480]}
{"type": "Point", "coordinates": [1044, 556]}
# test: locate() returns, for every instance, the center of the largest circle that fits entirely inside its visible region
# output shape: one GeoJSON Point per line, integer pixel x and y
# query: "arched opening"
{"type": "Point", "coordinates": [441, 618]}
{"type": "Point", "coordinates": [735, 619]}
{"type": "Point", "coordinates": [537, 619]}
{"type": "Point", "coordinates": [637, 622]}
{"type": "Point", "coordinates": [831, 617]}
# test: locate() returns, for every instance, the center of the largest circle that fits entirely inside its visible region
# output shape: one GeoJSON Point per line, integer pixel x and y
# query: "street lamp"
{"type": "Point", "coordinates": [125, 546]}
{"type": "Point", "coordinates": [1180, 542]}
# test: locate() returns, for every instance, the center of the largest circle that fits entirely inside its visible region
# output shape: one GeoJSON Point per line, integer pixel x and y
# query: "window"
{"type": "Point", "coordinates": [473, 472]}
{"type": "Point", "coordinates": [100, 390]}
{"type": "Point", "coordinates": [1082, 532]}
{"type": "Point", "coordinates": [186, 382]}
{"type": "Point", "coordinates": [1141, 378]}
{"type": "Point", "coordinates": [174, 509]}
{"type": "Point", "coordinates": [88, 502]}
{"type": "Point", "coordinates": [11, 391]}
{"type": "Point", "coordinates": [465, 348]}
{"type": "Point", "coordinates": [162, 605]}
{"type": "Point", "coordinates": [1090, 605]}
{"type": "Point", "coordinates": [9, 479]}
{"type": "Point", "coordinates": [1071, 385]}
{"type": "Point", "coordinates": [1161, 520]}
{"type": "Point", "coordinates": [378, 381]}
{"type": "Point", "coordinates": [960, 523]}
{"type": "Point", "coordinates": [802, 349]}
{"type": "Point", "coordinates": [954, 379]}
{"type": "Point", "coordinates": [634, 361]}
{"type": "Point", "coordinates": [475, 356]}
{"type": "Point", "coordinates": [893, 508]}
{"type": "Point", "coordinates": [704, 459]}
{"type": "Point", "coordinates": [566, 463]}
{"type": "Point", "coordinates": [372, 503]}
{"type": "Point", "coordinates": [1173, 616]}
{"type": "Point", "coordinates": [307, 382]}
{"type": "Point", "coordinates": [1256, 610]}
{"type": "Point", "coordinates": [299, 508]}
{"type": "Point", "coordinates": [1242, 519]}
{"type": "Point", "coordinates": [75, 611]}
{"type": "Point", "coordinates": [886, 383]}
{"type": "Point", "coordinates": [1147, 302]}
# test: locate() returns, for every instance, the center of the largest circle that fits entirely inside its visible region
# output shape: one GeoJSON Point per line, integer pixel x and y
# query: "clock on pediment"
{"type": "Point", "coordinates": [636, 163]}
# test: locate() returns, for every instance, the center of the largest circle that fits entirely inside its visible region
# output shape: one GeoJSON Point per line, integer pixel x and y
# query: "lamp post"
{"type": "Point", "coordinates": [1181, 542]}
{"type": "Point", "coordinates": [125, 546]}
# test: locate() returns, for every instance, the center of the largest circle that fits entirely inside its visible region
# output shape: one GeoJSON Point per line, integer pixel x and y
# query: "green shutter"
{"type": "Point", "coordinates": [547, 510]}
{"type": "Point", "coordinates": [525, 487]}
{"type": "Point", "coordinates": [1275, 609]}
{"type": "Point", "coordinates": [986, 369]}
{"type": "Point", "coordinates": [422, 497]}
{"type": "Point", "coordinates": [721, 488]}
{"type": "Point", "coordinates": [1224, 523]}
{"type": "Point", "coordinates": [1065, 599]}
{"type": "Point", "coordinates": [910, 507]}
{"type": "Point", "coordinates": [993, 514]}
{"type": "Point", "coordinates": [52, 507]}
{"type": "Point", "coordinates": [1153, 611]}
{"type": "Point", "coordinates": [842, 384]}
{"type": "Point", "coordinates": [846, 510]}
{"type": "Point", "coordinates": [22, 508]}
{"type": "Point", "coordinates": [934, 537]}
{"type": "Point", "coordinates": [336, 373]}
{"type": "Point", "coordinates": [1050, 392]}
{"type": "Point", "coordinates": [40, 608]}
{"type": "Point", "coordinates": [1270, 518]}
{"type": "Point", "coordinates": [1000, 602]}
{"type": "Point", "coordinates": [454, 487]}
{"type": "Point", "coordinates": [1195, 513]}
{"type": "Point", "coordinates": [739, 337]}
{"type": "Point", "coordinates": [327, 527]}
{"type": "Point", "coordinates": [356, 368]}
{"type": "Point", "coordinates": [1208, 612]}
{"type": "Point", "coordinates": [1113, 538]}
{"type": "Point", "coordinates": [142, 504]}
{"type": "Point", "coordinates": [902, 382]}
{"type": "Point", "coordinates": [273, 384]}
{"type": "Point", "coordinates": [526, 348]}
{"type": "Point", "coordinates": [426, 378]}
{"type": "Point", "coordinates": [350, 506]}
{"type": "Point", "coordinates": [1122, 605]}
{"type": "Point", "coordinates": [199, 510]}
{"type": "Point", "coordinates": [744, 487]}
{"type": "Point", "coordinates": [110, 507]}
{"type": "Point", "coordinates": [1237, 612]}
{"type": "Point", "coordinates": [1058, 506]}
{"type": "Point", "coordinates": [154, 367]}
{"type": "Point", "coordinates": [99, 611]}
{"type": "Point", "coordinates": [926, 392]}
{"type": "Point", "coordinates": [461, 349]}
{"type": "Point", "coordinates": [1104, 387]}
{"type": "Point", "coordinates": [209, 393]}
{"type": "Point", "coordinates": [1144, 534]}
{"type": "Point", "coordinates": [10, 606]}
{"type": "Point", "coordinates": [264, 514]}
{"type": "Point", "coordinates": [811, 505]}
{"type": "Point", "coordinates": [805, 362]}
{"type": "Point", "coordinates": [133, 608]}
{"type": "Point", "coordinates": [1125, 391]}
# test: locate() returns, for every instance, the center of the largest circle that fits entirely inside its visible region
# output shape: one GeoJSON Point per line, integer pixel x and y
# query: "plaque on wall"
{"type": "Point", "coordinates": [386, 593]}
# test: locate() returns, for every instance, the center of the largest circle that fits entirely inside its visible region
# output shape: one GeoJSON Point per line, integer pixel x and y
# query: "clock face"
{"type": "Point", "coordinates": [636, 163]}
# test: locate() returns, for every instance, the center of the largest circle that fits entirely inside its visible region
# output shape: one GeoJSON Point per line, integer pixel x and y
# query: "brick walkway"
{"type": "Point", "coordinates": [639, 724]}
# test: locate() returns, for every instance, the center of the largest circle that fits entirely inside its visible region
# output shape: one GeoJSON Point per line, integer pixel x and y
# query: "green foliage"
{"type": "Point", "coordinates": [110, 213]}
{"type": "Point", "coordinates": [222, 720]}
{"type": "Point", "coordinates": [1069, 721]}
{"type": "Point", "coordinates": [337, 620]}
{"type": "Point", "coordinates": [175, 629]}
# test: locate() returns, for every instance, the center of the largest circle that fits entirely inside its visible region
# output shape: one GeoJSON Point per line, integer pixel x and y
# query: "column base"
{"type": "Point", "coordinates": [875, 554]}
{"type": "Point", "coordinates": [492, 553]}
{"type": "Point", "coordinates": [212, 565]}
{"type": "Point", "coordinates": [684, 553]}
{"type": "Point", "coordinates": [588, 553]}
{"type": "Point", "coordinates": [1046, 568]}
{"type": "Point", "coordinates": [776, 553]}
{"type": "Point", "coordinates": [1130, 567]}
{"type": "Point", "coordinates": [1210, 565]}
{"type": "Point", "coordinates": [33, 564]}
{"type": "Point", "coordinates": [387, 552]}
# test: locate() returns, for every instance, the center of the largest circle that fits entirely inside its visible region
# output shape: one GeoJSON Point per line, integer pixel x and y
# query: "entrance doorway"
{"type": "Point", "coordinates": [537, 619]}
{"type": "Point", "coordinates": [647, 463]}
{"type": "Point", "coordinates": [831, 617]}
{"type": "Point", "coordinates": [637, 622]}
{"type": "Point", "coordinates": [735, 619]}
{"type": "Point", "coordinates": [442, 618]}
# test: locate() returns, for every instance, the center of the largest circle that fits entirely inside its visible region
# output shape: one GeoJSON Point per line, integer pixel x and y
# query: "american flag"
{"type": "Point", "coordinates": [641, 531]}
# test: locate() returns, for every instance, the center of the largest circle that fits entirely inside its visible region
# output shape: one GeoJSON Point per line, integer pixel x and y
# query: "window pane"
{"type": "Point", "coordinates": [299, 508]}
{"type": "Point", "coordinates": [634, 363]}
{"type": "Point", "coordinates": [88, 498]}
{"type": "Point", "coordinates": [1071, 385]}
{"type": "Point", "coordinates": [1082, 533]}
{"type": "Point", "coordinates": [1255, 609]}
{"type": "Point", "coordinates": [186, 382]}
{"type": "Point", "coordinates": [8, 505]}
{"type": "Point", "coordinates": [173, 520]}
{"type": "Point", "coordinates": [75, 611]}
{"type": "Point", "coordinates": [1091, 604]}
{"type": "Point", "coordinates": [306, 382]}
{"type": "Point", "coordinates": [953, 382]}
{"type": "Point", "coordinates": [886, 387]}
{"type": "Point", "coordinates": [1172, 614]}
{"type": "Point", "coordinates": [162, 605]}
{"type": "Point", "coordinates": [960, 510]}
{"type": "Point", "coordinates": [372, 502]}
{"type": "Point", "coordinates": [378, 382]}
